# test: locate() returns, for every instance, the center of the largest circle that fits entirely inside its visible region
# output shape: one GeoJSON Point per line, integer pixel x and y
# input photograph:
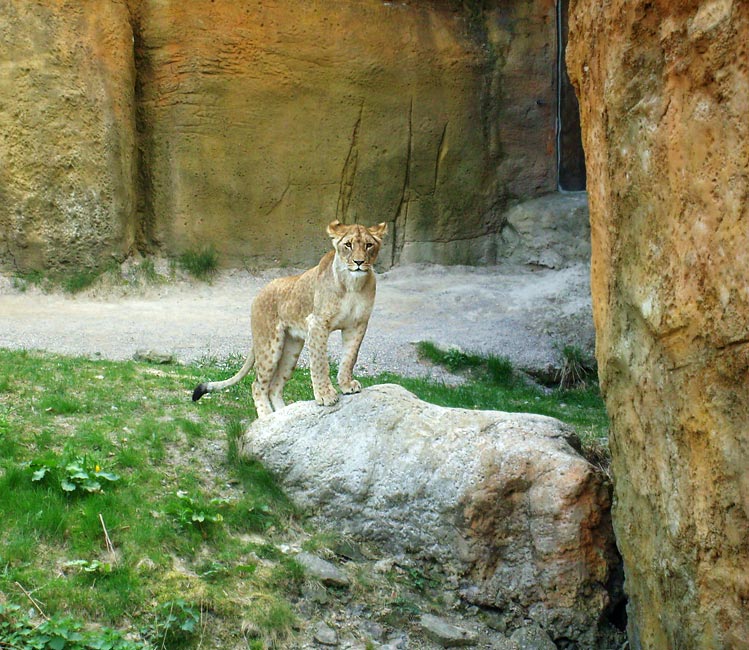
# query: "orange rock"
{"type": "Point", "coordinates": [67, 150]}
{"type": "Point", "coordinates": [664, 93]}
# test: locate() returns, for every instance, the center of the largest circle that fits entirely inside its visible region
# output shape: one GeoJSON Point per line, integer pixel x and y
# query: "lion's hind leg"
{"type": "Point", "coordinates": [268, 352]}
{"type": "Point", "coordinates": [292, 348]}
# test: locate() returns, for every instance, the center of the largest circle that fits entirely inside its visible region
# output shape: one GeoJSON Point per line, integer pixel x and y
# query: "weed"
{"type": "Point", "coordinates": [22, 281]}
{"type": "Point", "coordinates": [453, 359]}
{"type": "Point", "coordinates": [420, 581]}
{"type": "Point", "coordinates": [500, 371]}
{"type": "Point", "coordinates": [192, 430]}
{"type": "Point", "coordinates": [147, 270]}
{"type": "Point", "coordinates": [176, 622]}
{"type": "Point", "coordinates": [8, 443]}
{"type": "Point", "coordinates": [200, 263]}
{"type": "Point", "coordinates": [80, 474]}
{"type": "Point", "coordinates": [57, 633]}
{"type": "Point", "coordinates": [196, 511]}
{"type": "Point", "coordinates": [288, 575]}
{"type": "Point", "coordinates": [400, 611]}
{"type": "Point", "coordinates": [234, 433]}
{"type": "Point", "coordinates": [90, 566]}
{"type": "Point", "coordinates": [73, 281]}
{"type": "Point", "coordinates": [59, 404]}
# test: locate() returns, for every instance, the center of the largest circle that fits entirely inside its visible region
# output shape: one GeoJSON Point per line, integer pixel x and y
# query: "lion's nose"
{"type": "Point", "coordinates": [358, 262]}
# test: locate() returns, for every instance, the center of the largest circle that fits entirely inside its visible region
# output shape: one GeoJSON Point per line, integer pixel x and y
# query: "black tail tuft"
{"type": "Point", "coordinates": [199, 391]}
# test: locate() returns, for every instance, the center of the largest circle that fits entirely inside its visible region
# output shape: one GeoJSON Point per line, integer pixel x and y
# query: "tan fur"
{"type": "Point", "coordinates": [337, 294]}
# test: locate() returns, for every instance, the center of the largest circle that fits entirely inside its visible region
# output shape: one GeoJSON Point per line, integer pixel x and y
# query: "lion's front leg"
{"type": "Point", "coordinates": [322, 387]}
{"type": "Point", "coordinates": [352, 339]}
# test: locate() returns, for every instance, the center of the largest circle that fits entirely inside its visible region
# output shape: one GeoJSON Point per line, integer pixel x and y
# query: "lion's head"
{"type": "Point", "coordinates": [357, 246]}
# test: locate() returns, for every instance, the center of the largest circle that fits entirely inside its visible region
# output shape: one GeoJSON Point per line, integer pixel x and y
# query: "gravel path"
{"type": "Point", "coordinates": [517, 312]}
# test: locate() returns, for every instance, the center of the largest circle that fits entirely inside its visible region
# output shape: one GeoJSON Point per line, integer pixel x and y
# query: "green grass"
{"type": "Point", "coordinates": [70, 281]}
{"type": "Point", "coordinates": [78, 281]}
{"type": "Point", "coordinates": [492, 369]}
{"type": "Point", "coordinates": [177, 498]}
{"type": "Point", "coordinates": [194, 528]}
{"type": "Point", "coordinates": [110, 275]}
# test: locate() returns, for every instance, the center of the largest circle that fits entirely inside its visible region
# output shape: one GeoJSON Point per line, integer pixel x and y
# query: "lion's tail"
{"type": "Point", "coordinates": [209, 387]}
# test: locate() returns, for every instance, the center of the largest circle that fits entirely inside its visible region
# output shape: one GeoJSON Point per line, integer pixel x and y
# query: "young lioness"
{"type": "Point", "coordinates": [337, 294]}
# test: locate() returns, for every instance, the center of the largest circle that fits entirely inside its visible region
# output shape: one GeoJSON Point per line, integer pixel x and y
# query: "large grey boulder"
{"type": "Point", "coordinates": [502, 499]}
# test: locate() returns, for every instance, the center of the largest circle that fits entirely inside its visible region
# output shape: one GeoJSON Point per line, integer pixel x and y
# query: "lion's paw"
{"type": "Point", "coordinates": [327, 396]}
{"type": "Point", "coordinates": [351, 387]}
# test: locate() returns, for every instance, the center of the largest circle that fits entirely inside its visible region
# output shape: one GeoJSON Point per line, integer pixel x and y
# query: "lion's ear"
{"type": "Point", "coordinates": [336, 229]}
{"type": "Point", "coordinates": [379, 230]}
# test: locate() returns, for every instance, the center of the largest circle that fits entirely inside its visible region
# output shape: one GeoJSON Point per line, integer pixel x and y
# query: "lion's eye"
{"type": "Point", "coordinates": [349, 245]}
{"type": "Point", "coordinates": [369, 245]}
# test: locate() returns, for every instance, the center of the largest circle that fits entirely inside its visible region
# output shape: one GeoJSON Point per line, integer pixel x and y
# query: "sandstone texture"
{"type": "Point", "coordinates": [67, 149]}
{"type": "Point", "coordinates": [262, 122]}
{"type": "Point", "coordinates": [664, 92]}
{"type": "Point", "coordinates": [502, 500]}
{"type": "Point", "coordinates": [162, 126]}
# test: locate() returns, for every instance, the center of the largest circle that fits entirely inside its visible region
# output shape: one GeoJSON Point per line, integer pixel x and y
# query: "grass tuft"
{"type": "Point", "coordinates": [79, 280]}
{"type": "Point", "coordinates": [274, 620]}
{"type": "Point", "coordinates": [200, 263]}
{"type": "Point", "coordinates": [577, 369]}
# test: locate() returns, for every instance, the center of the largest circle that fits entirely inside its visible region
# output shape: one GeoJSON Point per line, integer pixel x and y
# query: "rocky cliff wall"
{"type": "Point", "coordinates": [67, 136]}
{"type": "Point", "coordinates": [166, 125]}
{"type": "Point", "coordinates": [664, 92]}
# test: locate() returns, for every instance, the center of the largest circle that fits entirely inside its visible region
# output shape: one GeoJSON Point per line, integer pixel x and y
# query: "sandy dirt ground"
{"type": "Point", "coordinates": [522, 313]}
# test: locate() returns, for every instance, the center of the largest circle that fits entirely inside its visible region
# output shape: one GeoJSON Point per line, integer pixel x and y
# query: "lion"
{"type": "Point", "coordinates": [337, 294]}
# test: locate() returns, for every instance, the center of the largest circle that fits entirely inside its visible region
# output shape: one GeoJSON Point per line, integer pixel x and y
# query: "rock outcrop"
{"type": "Point", "coordinates": [664, 93]}
{"type": "Point", "coordinates": [501, 499]}
{"type": "Point", "coordinates": [248, 126]}
{"type": "Point", "coordinates": [551, 231]}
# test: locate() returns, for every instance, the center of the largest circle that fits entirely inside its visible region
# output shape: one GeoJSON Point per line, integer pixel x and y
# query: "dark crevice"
{"type": "Point", "coordinates": [570, 155]}
{"type": "Point", "coordinates": [401, 212]}
{"type": "Point", "coordinates": [146, 240]}
{"type": "Point", "coordinates": [348, 173]}
{"type": "Point", "coordinates": [439, 157]}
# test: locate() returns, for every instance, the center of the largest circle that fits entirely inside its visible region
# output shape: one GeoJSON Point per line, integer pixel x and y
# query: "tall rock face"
{"type": "Point", "coordinates": [67, 149]}
{"type": "Point", "coordinates": [246, 125]}
{"type": "Point", "coordinates": [664, 92]}
{"type": "Point", "coordinates": [262, 122]}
